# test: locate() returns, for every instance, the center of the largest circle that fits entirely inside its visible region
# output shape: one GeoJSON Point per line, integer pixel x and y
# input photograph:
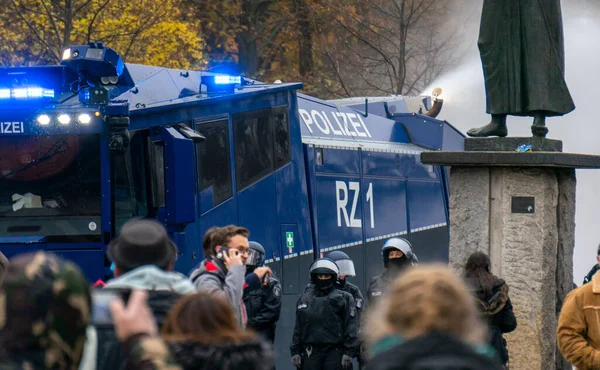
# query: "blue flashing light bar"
{"type": "Point", "coordinates": [228, 80]}
{"type": "Point", "coordinates": [26, 93]}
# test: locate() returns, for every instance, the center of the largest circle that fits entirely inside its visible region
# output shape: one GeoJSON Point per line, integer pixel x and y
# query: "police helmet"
{"type": "Point", "coordinates": [344, 262]}
{"type": "Point", "coordinates": [399, 244]}
{"type": "Point", "coordinates": [256, 255]}
{"type": "Point", "coordinates": [324, 266]}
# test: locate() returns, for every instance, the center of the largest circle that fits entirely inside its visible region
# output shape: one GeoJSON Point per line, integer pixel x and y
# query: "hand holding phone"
{"type": "Point", "coordinates": [232, 257]}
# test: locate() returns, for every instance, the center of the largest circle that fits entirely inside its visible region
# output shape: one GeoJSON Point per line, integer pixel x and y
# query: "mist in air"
{"type": "Point", "coordinates": [464, 107]}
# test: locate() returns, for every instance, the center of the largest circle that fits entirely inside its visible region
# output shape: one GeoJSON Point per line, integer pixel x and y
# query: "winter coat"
{"type": "Point", "coordinates": [578, 332]}
{"type": "Point", "coordinates": [590, 274]}
{"type": "Point", "coordinates": [146, 352]}
{"type": "Point", "coordinates": [164, 289]}
{"type": "Point", "coordinates": [213, 277]}
{"type": "Point", "coordinates": [250, 355]}
{"type": "Point", "coordinates": [498, 312]}
{"type": "Point", "coordinates": [432, 351]}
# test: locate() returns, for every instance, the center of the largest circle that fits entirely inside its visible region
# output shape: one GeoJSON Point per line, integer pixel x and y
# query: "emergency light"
{"type": "Point", "coordinates": [227, 80]}
{"type": "Point", "coordinates": [221, 83]}
{"type": "Point", "coordinates": [26, 85]}
{"type": "Point", "coordinates": [26, 93]}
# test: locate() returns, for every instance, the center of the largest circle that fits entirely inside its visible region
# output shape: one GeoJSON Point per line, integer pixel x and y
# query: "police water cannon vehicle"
{"type": "Point", "coordinates": [94, 142]}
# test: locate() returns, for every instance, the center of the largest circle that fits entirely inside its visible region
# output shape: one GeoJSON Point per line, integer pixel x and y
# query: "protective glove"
{"type": "Point", "coordinates": [346, 362]}
{"type": "Point", "coordinates": [296, 360]}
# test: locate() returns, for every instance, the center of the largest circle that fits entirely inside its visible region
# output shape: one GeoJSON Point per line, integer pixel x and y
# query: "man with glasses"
{"type": "Point", "coordinates": [223, 270]}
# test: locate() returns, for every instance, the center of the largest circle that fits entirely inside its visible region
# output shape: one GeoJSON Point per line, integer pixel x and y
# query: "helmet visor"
{"type": "Point", "coordinates": [346, 267]}
{"type": "Point", "coordinates": [255, 258]}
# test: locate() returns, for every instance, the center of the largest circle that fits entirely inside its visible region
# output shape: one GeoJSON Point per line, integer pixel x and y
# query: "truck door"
{"type": "Point", "coordinates": [177, 146]}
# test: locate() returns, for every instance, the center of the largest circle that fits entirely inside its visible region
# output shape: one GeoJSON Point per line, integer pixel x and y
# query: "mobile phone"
{"type": "Point", "coordinates": [220, 253]}
{"type": "Point", "coordinates": [101, 300]}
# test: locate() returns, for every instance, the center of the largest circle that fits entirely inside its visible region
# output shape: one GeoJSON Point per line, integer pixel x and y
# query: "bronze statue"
{"type": "Point", "coordinates": [522, 52]}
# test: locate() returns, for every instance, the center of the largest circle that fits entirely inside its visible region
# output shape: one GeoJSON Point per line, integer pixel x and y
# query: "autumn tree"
{"type": "Point", "coordinates": [244, 32]}
{"type": "Point", "coordinates": [155, 32]}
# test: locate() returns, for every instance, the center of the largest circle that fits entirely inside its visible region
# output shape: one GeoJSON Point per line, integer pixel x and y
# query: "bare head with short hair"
{"type": "Point", "coordinates": [207, 241]}
{"type": "Point", "coordinates": [224, 235]}
{"type": "Point", "coordinates": [423, 300]}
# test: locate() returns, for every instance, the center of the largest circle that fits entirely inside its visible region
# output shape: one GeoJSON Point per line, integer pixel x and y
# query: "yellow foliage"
{"type": "Point", "coordinates": [152, 32]}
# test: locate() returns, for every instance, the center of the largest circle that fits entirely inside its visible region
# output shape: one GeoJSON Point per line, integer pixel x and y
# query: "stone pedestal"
{"type": "Point", "coordinates": [520, 209]}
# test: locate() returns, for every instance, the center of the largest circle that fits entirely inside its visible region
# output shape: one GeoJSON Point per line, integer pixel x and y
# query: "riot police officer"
{"type": "Point", "coordinates": [397, 254]}
{"type": "Point", "coordinates": [263, 305]}
{"type": "Point", "coordinates": [346, 267]}
{"type": "Point", "coordinates": [325, 334]}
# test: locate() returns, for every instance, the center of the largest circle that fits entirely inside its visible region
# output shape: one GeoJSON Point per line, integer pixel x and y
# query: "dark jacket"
{"type": "Point", "coordinates": [432, 351]}
{"type": "Point", "coordinates": [379, 285]}
{"type": "Point", "coordinates": [498, 313]}
{"type": "Point", "coordinates": [254, 355]}
{"type": "Point", "coordinates": [325, 318]}
{"type": "Point", "coordinates": [590, 274]}
{"type": "Point", "coordinates": [263, 306]}
{"type": "Point", "coordinates": [109, 355]}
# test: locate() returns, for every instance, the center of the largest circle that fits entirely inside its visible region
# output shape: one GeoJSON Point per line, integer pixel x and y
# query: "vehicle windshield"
{"type": "Point", "coordinates": [50, 185]}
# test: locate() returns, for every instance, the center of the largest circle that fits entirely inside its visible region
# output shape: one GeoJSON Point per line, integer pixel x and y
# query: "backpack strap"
{"type": "Point", "coordinates": [221, 279]}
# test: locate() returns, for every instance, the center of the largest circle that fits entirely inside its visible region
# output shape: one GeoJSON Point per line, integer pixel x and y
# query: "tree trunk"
{"type": "Point", "coordinates": [66, 41]}
{"type": "Point", "coordinates": [246, 40]}
{"type": "Point", "coordinates": [305, 47]}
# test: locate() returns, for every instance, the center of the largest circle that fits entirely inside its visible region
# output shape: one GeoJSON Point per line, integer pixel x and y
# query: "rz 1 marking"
{"type": "Point", "coordinates": [342, 199]}
{"type": "Point", "coordinates": [11, 128]}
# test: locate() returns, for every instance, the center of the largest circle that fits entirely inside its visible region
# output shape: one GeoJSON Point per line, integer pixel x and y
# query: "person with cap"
{"type": "Point", "coordinates": [222, 272]}
{"type": "Point", "coordinates": [144, 257]}
{"type": "Point", "coordinates": [263, 305]}
{"type": "Point", "coordinates": [397, 254]}
{"type": "Point", "coordinates": [346, 267]}
{"type": "Point", "coordinates": [325, 333]}
{"type": "Point", "coordinates": [45, 305]}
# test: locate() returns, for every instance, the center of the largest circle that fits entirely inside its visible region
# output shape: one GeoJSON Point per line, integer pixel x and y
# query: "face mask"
{"type": "Point", "coordinates": [323, 284]}
{"type": "Point", "coordinates": [341, 283]}
{"type": "Point", "coordinates": [398, 263]}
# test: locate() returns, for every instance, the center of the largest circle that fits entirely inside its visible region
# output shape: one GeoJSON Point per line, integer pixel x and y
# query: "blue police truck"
{"type": "Point", "coordinates": [93, 142]}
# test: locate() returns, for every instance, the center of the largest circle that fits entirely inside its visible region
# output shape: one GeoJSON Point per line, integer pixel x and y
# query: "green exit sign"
{"type": "Point", "coordinates": [289, 239]}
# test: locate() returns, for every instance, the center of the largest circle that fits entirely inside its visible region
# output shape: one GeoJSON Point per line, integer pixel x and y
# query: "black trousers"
{"type": "Point", "coordinates": [322, 358]}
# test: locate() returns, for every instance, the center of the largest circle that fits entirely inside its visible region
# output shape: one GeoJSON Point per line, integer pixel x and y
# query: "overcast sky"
{"type": "Point", "coordinates": [464, 107]}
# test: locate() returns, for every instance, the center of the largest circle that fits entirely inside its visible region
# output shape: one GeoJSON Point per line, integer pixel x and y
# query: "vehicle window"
{"type": "Point", "coordinates": [282, 147]}
{"type": "Point", "coordinates": [214, 167]}
{"type": "Point", "coordinates": [157, 171]}
{"type": "Point", "coordinates": [50, 185]}
{"type": "Point", "coordinates": [129, 186]}
{"type": "Point", "coordinates": [253, 137]}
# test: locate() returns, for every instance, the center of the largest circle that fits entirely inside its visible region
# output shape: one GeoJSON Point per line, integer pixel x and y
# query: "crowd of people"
{"type": "Point", "coordinates": [224, 314]}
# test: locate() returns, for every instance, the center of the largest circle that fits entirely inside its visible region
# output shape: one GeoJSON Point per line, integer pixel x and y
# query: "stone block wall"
{"type": "Point", "coordinates": [532, 252]}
